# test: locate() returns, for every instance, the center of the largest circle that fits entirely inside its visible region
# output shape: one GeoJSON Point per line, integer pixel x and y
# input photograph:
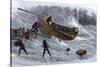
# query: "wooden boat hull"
{"type": "Point", "coordinates": [68, 34]}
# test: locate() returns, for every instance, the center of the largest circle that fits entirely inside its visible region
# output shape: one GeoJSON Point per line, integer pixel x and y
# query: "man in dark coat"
{"type": "Point", "coordinates": [35, 28]}
{"type": "Point", "coordinates": [45, 46]}
{"type": "Point", "coordinates": [49, 20]}
{"type": "Point", "coordinates": [21, 46]}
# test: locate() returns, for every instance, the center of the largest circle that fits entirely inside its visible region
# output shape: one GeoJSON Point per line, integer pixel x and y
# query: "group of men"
{"type": "Point", "coordinates": [26, 35]}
